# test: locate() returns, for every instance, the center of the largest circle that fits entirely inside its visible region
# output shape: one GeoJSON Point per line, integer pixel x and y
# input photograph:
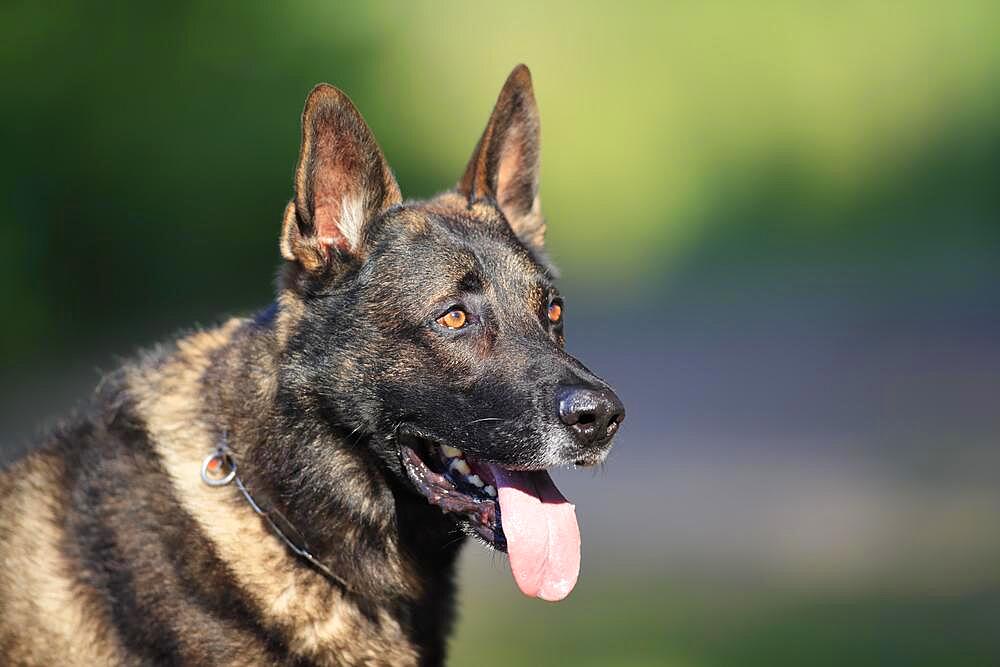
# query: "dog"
{"type": "Point", "coordinates": [294, 487]}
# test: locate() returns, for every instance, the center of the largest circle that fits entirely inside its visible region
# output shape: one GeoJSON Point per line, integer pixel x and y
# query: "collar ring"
{"type": "Point", "coordinates": [214, 469]}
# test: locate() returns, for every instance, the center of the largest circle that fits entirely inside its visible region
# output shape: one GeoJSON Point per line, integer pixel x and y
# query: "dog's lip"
{"type": "Point", "coordinates": [480, 514]}
{"type": "Point", "coordinates": [409, 431]}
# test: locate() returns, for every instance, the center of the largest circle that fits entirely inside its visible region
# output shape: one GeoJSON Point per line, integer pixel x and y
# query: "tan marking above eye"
{"type": "Point", "coordinates": [555, 312]}
{"type": "Point", "coordinates": [456, 318]}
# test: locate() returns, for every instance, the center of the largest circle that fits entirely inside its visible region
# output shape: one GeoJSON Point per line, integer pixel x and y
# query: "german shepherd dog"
{"type": "Point", "coordinates": [294, 487]}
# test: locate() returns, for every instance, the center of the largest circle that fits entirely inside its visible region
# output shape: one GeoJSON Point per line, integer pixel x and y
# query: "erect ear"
{"type": "Point", "coordinates": [342, 182]}
{"type": "Point", "coordinates": [504, 167]}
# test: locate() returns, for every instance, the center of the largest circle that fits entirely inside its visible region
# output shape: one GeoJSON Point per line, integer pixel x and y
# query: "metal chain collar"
{"type": "Point", "coordinates": [219, 469]}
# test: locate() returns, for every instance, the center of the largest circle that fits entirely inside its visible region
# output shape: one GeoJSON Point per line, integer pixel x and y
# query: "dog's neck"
{"type": "Point", "coordinates": [394, 553]}
{"type": "Point", "coordinates": [399, 542]}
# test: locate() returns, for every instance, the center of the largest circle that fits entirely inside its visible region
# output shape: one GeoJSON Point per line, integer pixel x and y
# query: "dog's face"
{"type": "Point", "coordinates": [433, 331]}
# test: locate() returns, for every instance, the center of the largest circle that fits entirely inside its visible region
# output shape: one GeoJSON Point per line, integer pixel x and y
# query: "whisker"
{"type": "Point", "coordinates": [350, 436]}
{"type": "Point", "coordinates": [485, 419]}
{"type": "Point", "coordinates": [459, 537]}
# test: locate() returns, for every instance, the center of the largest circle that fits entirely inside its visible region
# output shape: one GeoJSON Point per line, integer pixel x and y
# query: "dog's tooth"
{"type": "Point", "coordinates": [461, 466]}
{"type": "Point", "coordinates": [451, 452]}
{"type": "Point", "coordinates": [490, 491]}
{"type": "Point", "coordinates": [474, 480]}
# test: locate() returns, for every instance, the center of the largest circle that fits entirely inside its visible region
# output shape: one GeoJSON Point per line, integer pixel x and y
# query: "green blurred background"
{"type": "Point", "coordinates": [779, 229]}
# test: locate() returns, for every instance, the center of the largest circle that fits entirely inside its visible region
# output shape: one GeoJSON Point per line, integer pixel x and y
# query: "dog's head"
{"type": "Point", "coordinates": [433, 331]}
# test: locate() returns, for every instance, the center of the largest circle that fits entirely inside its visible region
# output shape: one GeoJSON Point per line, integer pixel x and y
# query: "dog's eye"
{"type": "Point", "coordinates": [555, 312]}
{"type": "Point", "coordinates": [456, 318]}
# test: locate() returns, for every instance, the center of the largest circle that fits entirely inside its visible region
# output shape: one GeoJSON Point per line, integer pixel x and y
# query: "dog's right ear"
{"type": "Point", "coordinates": [342, 182]}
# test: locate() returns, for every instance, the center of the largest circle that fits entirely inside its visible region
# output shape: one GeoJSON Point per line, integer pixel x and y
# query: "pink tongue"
{"type": "Point", "coordinates": [543, 538]}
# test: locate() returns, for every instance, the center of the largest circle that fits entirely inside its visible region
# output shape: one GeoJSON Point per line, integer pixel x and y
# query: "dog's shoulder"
{"type": "Point", "coordinates": [39, 588]}
{"type": "Point", "coordinates": [116, 552]}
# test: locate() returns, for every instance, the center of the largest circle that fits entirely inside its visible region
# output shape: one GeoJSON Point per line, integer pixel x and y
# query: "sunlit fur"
{"type": "Point", "coordinates": [115, 552]}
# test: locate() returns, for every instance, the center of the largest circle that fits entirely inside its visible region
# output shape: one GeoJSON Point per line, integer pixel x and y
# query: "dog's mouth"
{"type": "Point", "coordinates": [516, 511]}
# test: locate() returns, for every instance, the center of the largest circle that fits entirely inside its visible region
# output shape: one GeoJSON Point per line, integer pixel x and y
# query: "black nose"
{"type": "Point", "coordinates": [592, 414]}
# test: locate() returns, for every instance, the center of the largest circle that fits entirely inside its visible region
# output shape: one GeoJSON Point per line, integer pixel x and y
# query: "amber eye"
{"type": "Point", "coordinates": [456, 318]}
{"type": "Point", "coordinates": [555, 312]}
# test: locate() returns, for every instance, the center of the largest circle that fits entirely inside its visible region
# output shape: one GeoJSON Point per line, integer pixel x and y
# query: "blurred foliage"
{"type": "Point", "coordinates": [149, 149]}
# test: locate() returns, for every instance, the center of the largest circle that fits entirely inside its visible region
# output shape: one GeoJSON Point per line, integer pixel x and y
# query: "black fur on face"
{"type": "Point", "coordinates": [369, 352]}
{"type": "Point", "coordinates": [374, 359]}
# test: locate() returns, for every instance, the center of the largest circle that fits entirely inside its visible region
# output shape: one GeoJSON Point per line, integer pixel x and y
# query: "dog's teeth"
{"type": "Point", "coordinates": [461, 466]}
{"type": "Point", "coordinates": [474, 480]}
{"type": "Point", "coordinates": [490, 491]}
{"type": "Point", "coordinates": [451, 452]}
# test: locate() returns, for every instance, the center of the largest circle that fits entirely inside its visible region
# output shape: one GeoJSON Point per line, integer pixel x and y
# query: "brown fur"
{"type": "Point", "coordinates": [113, 551]}
{"type": "Point", "coordinates": [38, 588]}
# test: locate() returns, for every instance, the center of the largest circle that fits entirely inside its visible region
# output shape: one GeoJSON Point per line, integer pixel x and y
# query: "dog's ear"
{"type": "Point", "coordinates": [504, 167]}
{"type": "Point", "coordinates": [342, 181]}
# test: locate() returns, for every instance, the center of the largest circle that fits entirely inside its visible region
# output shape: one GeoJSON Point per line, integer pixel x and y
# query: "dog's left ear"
{"type": "Point", "coordinates": [342, 182]}
{"type": "Point", "coordinates": [505, 165]}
